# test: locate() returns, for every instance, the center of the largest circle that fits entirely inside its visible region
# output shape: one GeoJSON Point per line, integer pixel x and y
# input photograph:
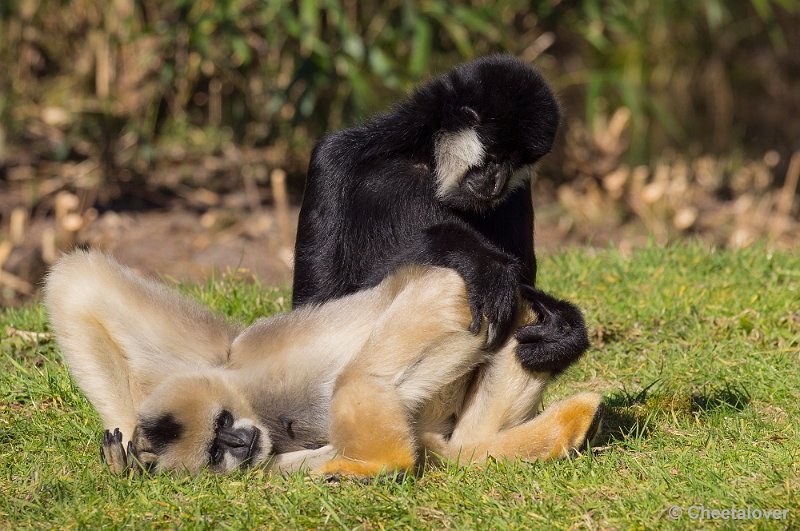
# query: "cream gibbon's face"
{"type": "Point", "coordinates": [198, 422]}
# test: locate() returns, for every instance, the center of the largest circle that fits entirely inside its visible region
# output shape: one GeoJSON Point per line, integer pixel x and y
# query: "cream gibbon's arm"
{"type": "Point", "coordinates": [122, 334]}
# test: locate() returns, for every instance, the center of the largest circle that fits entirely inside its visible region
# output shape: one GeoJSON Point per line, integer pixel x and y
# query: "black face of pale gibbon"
{"type": "Point", "coordinates": [198, 422]}
{"type": "Point", "coordinates": [498, 118]}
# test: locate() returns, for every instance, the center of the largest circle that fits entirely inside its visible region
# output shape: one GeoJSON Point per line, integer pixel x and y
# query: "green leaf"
{"type": "Point", "coordinates": [353, 46]}
{"type": "Point", "coordinates": [420, 48]}
{"type": "Point", "coordinates": [241, 51]}
{"type": "Point", "coordinates": [763, 8]}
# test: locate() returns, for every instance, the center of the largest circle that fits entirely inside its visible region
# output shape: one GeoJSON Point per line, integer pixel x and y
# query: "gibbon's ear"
{"type": "Point", "coordinates": [460, 118]}
{"type": "Point", "coordinates": [122, 334]}
{"type": "Point", "coordinates": [468, 116]}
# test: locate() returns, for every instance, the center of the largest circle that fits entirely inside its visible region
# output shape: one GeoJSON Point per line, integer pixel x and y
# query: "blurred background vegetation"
{"type": "Point", "coordinates": [681, 115]}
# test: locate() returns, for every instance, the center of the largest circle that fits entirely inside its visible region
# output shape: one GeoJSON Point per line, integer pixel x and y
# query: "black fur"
{"type": "Point", "coordinates": [161, 431]}
{"type": "Point", "coordinates": [372, 203]}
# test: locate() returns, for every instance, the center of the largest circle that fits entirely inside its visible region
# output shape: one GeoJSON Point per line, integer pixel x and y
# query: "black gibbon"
{"type": "Point", "coordinates": [362, 385]}
{"type": "Point", "coordinates": [443, 180]}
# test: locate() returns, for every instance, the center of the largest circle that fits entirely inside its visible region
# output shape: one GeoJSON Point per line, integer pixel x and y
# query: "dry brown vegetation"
{"type": "Point", "coordinates": [176, 134]}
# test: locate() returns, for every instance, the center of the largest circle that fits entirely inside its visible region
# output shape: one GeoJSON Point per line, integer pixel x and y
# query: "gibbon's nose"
{"type": "Point", "coordinates": [500, 180]}
{"type": "Point", "coordinates": [488, 182]}
{"type": "Point", "coordinates": [241, 442]}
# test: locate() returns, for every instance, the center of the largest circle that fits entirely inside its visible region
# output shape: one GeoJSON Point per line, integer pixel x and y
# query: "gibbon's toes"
{"type": "Point", "coordinates": [580, 418]}
{"type": "Point", "coordinates": [365, 470]}
{"type": "Point", "coordinates": [112, 453]}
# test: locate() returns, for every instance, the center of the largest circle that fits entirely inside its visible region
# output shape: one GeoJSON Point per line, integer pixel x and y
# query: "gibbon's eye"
{"type": "Point", "coordinates": [217, 453]}
{"type": "Point", "coordinates": [223, 420]}
{"type": "Point", "coordinates": [469, 115]}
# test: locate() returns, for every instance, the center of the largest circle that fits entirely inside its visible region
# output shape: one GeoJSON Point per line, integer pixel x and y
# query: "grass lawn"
{"type": "Point", "coordinates": [697, 353]}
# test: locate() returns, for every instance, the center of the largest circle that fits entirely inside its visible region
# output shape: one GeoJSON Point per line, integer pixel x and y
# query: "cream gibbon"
{"type": "Point", "coordinates": [366, 384]}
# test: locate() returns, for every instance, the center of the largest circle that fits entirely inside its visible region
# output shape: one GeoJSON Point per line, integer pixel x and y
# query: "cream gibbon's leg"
{"type": "Point", "coordinates": [122, 334]}
{"type": "Point", "coordinates": [501, 415]}
{"type": "Point", "coordinates": [411, 357]}
{"type": "Point", "coordinates": [418, 345]}
{"type": "Point", "coordinates": [562, 427]}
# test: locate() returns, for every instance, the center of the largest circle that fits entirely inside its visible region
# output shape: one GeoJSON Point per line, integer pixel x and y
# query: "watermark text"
{"type": "Point", "coordinates": [701, 512]}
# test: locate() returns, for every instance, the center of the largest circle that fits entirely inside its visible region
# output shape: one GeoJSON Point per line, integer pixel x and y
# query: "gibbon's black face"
{"type": "Point", "coordinates": [198, 422]}
{"type": "Point", "coordinates": [499, 118]}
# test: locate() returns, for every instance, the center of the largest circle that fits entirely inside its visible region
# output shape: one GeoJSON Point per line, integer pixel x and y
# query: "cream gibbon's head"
{"type": "Point", "coordinates": [198, 422]}
{"type": "Point", "coordinates": [498, 118]}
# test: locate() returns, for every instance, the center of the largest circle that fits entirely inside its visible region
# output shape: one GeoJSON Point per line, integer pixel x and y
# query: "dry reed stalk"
{"type": "Point", "coordinates": [5, 251]}
{"type": "Point", "coordinates": [14, 282]}
{"type": "Point", "coordinates": [786, 198]}
{"type": "Point", "coordinates": [280, 196]}
{"type": "Point", "coordinates": [28, 335]}
{"type": "Point", "coordinates": [17, 224]}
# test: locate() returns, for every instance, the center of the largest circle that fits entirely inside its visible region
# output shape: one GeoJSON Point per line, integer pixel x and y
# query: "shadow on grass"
{"type": "Point", "coordinates": [632, 415]}
{"type": "Point", "coordinates": [728, 397]}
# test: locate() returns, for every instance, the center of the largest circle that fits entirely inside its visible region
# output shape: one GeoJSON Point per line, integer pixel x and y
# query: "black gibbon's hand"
{"type": "Point", "coordinates": [557, 339]}
{"type": "Point", "coordinates": [491, 276]}
{"type": "Point", "coordinates": [492, 292]}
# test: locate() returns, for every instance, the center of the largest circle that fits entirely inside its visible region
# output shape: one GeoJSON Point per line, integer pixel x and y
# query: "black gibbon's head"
{"type": "Point", "coordinates": [498, 118]}
{"type": "Point", "coordinates": [198, 422]}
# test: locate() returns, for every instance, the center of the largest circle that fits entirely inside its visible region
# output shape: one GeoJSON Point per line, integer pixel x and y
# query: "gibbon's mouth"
{"type": "Point", "coordinates": [488, 189]}
{"type": "Point", "coordinates": [252, 450]}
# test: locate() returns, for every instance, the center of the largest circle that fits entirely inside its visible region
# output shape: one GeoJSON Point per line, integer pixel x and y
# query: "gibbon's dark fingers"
{"type": "Point", "coordinates": [112, 453]}
{"type": "Point", "coordinates": [558, 335]}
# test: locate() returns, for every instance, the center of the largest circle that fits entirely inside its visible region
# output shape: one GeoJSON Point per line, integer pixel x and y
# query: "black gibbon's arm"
{"type": "Point", "coordinates": [491, 276]}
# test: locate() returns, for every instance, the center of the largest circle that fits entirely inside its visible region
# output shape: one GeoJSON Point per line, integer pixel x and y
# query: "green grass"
{"type": "Point", "coordinates": [697, 352]}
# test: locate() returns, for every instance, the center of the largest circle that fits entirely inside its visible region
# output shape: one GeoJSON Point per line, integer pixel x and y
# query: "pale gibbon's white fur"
{"type": "Point", "coordinates": [455, 153]}
{"type": "Point", "coordinates": [369, 383]}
